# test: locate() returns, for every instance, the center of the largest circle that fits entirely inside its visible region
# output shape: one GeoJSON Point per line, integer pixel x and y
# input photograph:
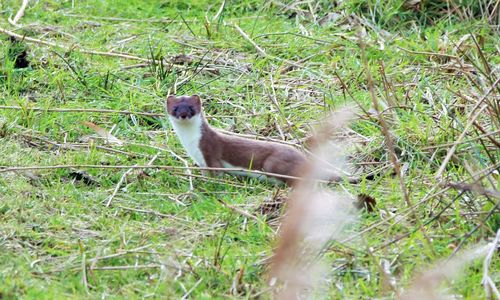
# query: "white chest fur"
{"type": "Point", "coordinates": [189, 133]}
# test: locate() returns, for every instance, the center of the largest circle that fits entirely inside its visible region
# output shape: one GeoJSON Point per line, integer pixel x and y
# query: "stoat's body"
{"type": "Point", "coordinates": [211, 148]}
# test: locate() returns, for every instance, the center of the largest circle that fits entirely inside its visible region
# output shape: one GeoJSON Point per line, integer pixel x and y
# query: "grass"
{"type": "Point", "coordinates": [158, 238]}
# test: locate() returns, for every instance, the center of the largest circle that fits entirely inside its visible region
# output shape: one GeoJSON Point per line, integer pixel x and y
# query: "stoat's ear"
{"type": "Point", "coordinates": [170, 98]}
{"type": "Point", "coordinates": [197, 102]}
{"type": "Point", "coordinates": [196, 98]}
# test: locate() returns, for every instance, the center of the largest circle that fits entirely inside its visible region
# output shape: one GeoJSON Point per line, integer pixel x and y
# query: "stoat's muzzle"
{"type": "Point", "coordinates": [184, 112]}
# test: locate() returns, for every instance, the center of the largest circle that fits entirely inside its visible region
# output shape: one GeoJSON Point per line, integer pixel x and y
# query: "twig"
{"type": "Point", "coordinates": [404, 214]}
{"type": "Point", "coordinates": [400, 217]}
{"type": "Point", "coordinates": [111, 268]}
{"type": "Point", "coordinates": [451, 151]}
{"type": "Point", "coordinates": [84, 267]}
{"type": "Point", "coordinates": [390, 145]}
{"type": "Point", "coordinates": [488, 283]}
{"type": "Point", "coordinates": [141, 65]}
{"type": "Point", "coordinates": [115, 19]}
{"type": "Point", "coordinates": [258, 137]}
{"type": "Point", "coordinates": [123, 112]}
{"type": "Point", "coordinates": [475, 188]}
{"type": "Point", "coordinates": [186, 295]}
{"type": "Point", "coordinates": [83, 110]}
{"type": "Point", "coordinates": [470, 233]}
{"type": "Point", "coordinates": [123, 252]}
{"type": "Point", "coordinates": [488, 134]}
{"type": "Point", "coordinates": [240, 211]}
{"type": "Point", "coordinates": [303, 60]}
{"type": "Point", "coordinates": [188, 171]}
{"type": "Point", "coordinates": [75, 146]}
{"type": "Point", "coordinates": [274, 100]}
{"type": "Point", "coordinates": [385, 129]}
{"type": "Point", "coordinates": [472, 118]}
{"type": "Point", "coordinates": [172, 168]}
{"type": "Point", "coordinates": [118, 185]}
{"type": "Point", "coordinates": [478, 176]}
{"type": "Point", "coordinates": [485, 135]}
{"type": "Point", "coordinates": [246, 37]}
{"type": "Point", "coordinates": [152, 212]}
{"type": "Point", "coordinates": [320, 41]}
{"type": "Point", "coordinates": [19, 14]}
{"type": "Point", "coordinates": [213, 180]}
{"type": "Point", "coordinates": [66, 48]}
{"type": "Point", "coordinates": [429, 53]}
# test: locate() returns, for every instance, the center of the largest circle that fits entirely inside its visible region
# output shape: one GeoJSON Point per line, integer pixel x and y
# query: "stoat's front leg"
{"type": "Point", "coordinates": [212, 163]}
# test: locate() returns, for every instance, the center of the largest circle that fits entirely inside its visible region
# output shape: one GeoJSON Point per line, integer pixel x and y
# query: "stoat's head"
{"type": "Point", "coordinates": [183, 108]}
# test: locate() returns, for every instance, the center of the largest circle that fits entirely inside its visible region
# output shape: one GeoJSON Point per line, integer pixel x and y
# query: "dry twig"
{"type": "Point", "coordinates": [471, 119]}
{"type": "Point", "coordinates": [161, 167]}
{"type": "Point", "coordinates": [117, 187]}
{"type": "Point", "coordinates": [122, 179]}
{"type": "Point", "coordinates": [68, 49]}
{"type": "Point", "coordinates": [246, 37]}
{"type": "Point", "coordinates": [20, 14]}
{"type": "Point", "coordinates": [475, 188]}
{"type": "Point", "coordinates": [240, 211]}
{"type": "Point", "coordinates": [145, 211]}
{"type": "Point", "coordinates": [385, 128]}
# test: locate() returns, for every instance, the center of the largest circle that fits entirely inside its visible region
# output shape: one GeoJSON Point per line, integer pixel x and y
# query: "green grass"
{"type": "Point", "coordinates": [52, 222]}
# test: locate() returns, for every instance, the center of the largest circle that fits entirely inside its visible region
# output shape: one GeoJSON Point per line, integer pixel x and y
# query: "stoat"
{"type": "Point", "coordinates": [214, 149]}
